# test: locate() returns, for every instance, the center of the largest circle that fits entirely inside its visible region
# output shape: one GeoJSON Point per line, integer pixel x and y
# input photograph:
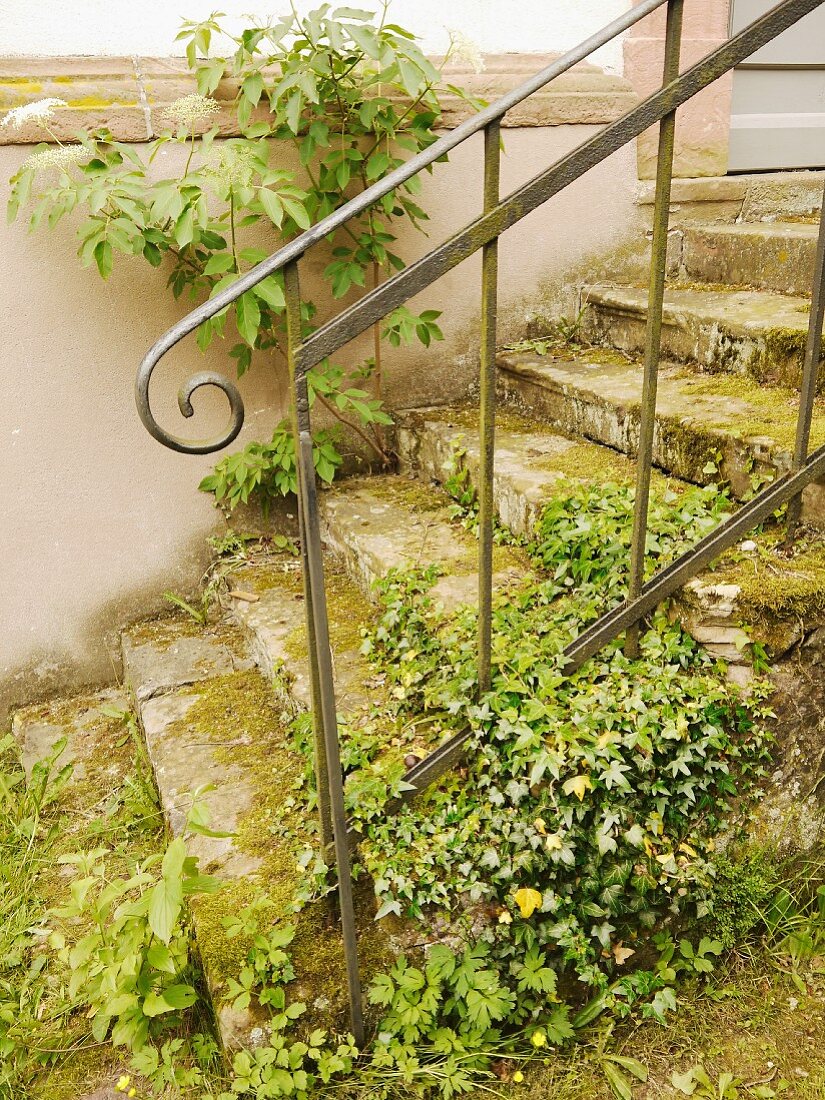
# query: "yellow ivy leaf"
{"type": "Point", "coordinates": [528, 901]}
{"type": "Point", "coordinates": [553, 842]}
{"type": "Point", "coordinates": [578, 785]}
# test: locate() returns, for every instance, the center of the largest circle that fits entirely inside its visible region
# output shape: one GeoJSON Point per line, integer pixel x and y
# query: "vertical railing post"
{"type": "Point", "coordinates": [810, 371]}
{"type": "Point", "coordinates": [320, 653]}
{"type": "Point", "coordinates": [655, 303]}
{"type": "Point", "coordinates": [487, 410]}
{"type": "Point", "coordinates": [293, 327]}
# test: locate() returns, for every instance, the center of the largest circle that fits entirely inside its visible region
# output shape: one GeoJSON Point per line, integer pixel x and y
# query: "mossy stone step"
{"type": "Point", "coordinates": [210, 718]}
{"type": "Point", "coordinates": [377, 524]}
{"type": "Point", "coordinates": [750, 332]}
{"type": "Point", "coordinates": [767, 255]}
{"type": "Point", "coordinates": [774, 599]}
{"type": "Point", "coordinates": [531, 459]}
{"type": "Point", "coordinates": [708, 427]}
{"type": "Point", "coordinates": [274, 627]}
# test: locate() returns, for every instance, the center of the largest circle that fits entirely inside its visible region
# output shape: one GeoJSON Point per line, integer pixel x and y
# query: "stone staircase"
{"type": "Point", "coordinates": [203, 694]}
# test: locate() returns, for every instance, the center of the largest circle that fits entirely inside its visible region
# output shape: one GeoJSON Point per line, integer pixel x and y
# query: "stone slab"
{"type": "Point", "coordinates": [698, 434]}
{"type": "Point", "coordinates": [377, 524]}
{"type": "Point", "coordinates": [171, 660]}
{"type": "Point", "coordinates": [37, 731]}
{"type": "Point", "coordinates": [430, 442]}
{"type": "Point", "coordinates": [755, 332]}
{"type": "Point", "coordinates": [775, 256]}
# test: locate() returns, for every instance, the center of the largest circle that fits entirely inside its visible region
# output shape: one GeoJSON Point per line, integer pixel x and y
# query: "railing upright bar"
{"type": "Point", "coordinates": [810, 371]}
{"type": "Point", "coordinates": [318, 631]}
{"type": "Point", "coordinates": [655, 304]}
{"type": "Point", "coordinates": [292, 293]}
{"type": "Point", "coordinates": [487, 409]}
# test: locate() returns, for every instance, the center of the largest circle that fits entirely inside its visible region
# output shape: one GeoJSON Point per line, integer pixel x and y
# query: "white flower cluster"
{"type": "Point", "coordinates": [60, 157]}
{"type": "Point", "coordinates": [189, 109]}
{"type": "Point", "coordinates": [40, 111]}
{"type": "Point", "coordinates": [464, 49]}
{"type": "Point", "coordinates": [233, 166]}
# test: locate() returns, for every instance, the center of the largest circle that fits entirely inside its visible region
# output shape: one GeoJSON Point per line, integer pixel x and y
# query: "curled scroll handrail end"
{"type": "Point", "coordinates": [197, 381]}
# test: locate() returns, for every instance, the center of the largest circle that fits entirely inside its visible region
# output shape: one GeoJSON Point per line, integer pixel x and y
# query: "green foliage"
{"type": "Point", "coordinates": [600, 791]}
{"type": "Point", "coordinates": [353, 95]}
{"type": "Point", "coordinates": [132, 967]}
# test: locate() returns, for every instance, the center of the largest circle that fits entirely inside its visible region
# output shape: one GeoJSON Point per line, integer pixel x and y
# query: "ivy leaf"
{"type": "Point", "coordinates": [578, 785]}
{"type": "Point", "coordinates": [528, 901]}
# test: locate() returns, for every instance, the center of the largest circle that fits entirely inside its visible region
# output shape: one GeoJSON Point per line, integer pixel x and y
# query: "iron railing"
{"type": "Point", "coordinates": [482, 235]}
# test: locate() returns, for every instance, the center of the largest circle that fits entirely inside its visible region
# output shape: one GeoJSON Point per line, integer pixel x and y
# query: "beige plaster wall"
{"type": "Point", "coordinates": [96, 518]}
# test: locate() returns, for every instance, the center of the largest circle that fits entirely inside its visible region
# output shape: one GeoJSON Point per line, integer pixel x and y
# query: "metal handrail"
{"type": "Point", "coordinates": [296, 248]}
{"type": "Point", "coordinates": [482, 235]}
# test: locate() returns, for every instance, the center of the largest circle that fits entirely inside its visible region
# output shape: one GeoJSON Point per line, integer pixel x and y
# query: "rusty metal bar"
{"type": "Point", "coordinates": [292, 293]}
{"type": "Point", "coordinates": [653, 331]}
{"type": "Point", "coordinates": [664, 584]}
{"type": "Point", "coordinates": [810, 370]}
{"type": "Point", "coordinates": [328, 772]}
{"type": "Point", "coordinates": [487, 410]}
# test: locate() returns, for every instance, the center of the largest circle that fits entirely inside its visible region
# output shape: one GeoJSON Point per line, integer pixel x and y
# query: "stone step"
{"type": "Point", "coordinates": [775, 256]}
{"type": "Point", "coordinates": [531, 457]}
{"type": "Point", "coordinates": [708, 427]}
{"type": "Point", "coordinates": [376, 524]}
{"type": "Point", "coordinates": [533, 463]}
{"type": "Point", "coordinates": [750, 332]}
{"type": "Point", "coordinates": [212, 721]}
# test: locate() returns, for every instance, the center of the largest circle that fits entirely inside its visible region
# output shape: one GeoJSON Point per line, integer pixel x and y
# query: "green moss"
{"type": "Point", "coordinates": [772, 410]}
{"type": "Point", "coordinates": [776, 585]}
{"type": "Point", "coordinates": [782, 355]}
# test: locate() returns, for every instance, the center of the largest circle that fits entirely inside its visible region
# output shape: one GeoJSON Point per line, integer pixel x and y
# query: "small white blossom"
{"type": "Point", "coordinates": [189, 109]}
{"type": "Point", "coordinates": [464, 49]}
{"type": "Point", "coordinates": [40, 111]}
{"type": "Point", "coordinates": [233, 166]}
{"type": "Point", "coordinates": [58, 156]}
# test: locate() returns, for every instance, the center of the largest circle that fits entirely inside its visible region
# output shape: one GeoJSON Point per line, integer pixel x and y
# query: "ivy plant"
{"type": "Point", "coordinates": [343, 94]}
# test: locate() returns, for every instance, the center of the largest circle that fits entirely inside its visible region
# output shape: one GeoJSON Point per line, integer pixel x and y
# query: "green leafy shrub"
{"type": "Point", "coordinates": [348, 93]}
{"type": "Point", "coordinates": [599, 792]}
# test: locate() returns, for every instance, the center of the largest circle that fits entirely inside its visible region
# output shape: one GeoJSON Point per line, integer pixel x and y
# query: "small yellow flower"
{"type": "Point", "coordinates": [518, 1077]}
{"type": "Point", "coordinates": [123, 1083]}
{"type": "Point", "coordinates": [132, 1092]}
{"type": "Point", "coordinates": [539, 1038]}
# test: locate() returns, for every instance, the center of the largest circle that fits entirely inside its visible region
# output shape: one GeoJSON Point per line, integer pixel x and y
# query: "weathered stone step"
{"type": "Point", "coordinates": [751, 332]}
{"type": "Point", "coordinates": [708, 427]}
{"type": "Point", "coordinates": [376, 524]}
{"type": "Point", "coordinates": [531, 457]}
{"type": "Point", "coordinates": [212, 720]}
{"type": "Point", "coordinates": [759, 591]}
{"type": "Point", "coordinates": [768, 255]}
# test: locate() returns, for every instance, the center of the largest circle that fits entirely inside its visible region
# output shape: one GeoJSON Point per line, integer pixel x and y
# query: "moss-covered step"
{"type": "Point", "coordinates": [434, 444]}
{"type": "Point", "coordinates": [750, 332]}
{"type": "Point", "coordinates": [708, 427]}
{"type": "Point", "coordinates": [270, 613]}
{"type": "Point", "coordinates": [389, 522]}
{"type": "Point", "coordinates": [767, 255]}
{"type": "Point", "coordinates": [212, 720]}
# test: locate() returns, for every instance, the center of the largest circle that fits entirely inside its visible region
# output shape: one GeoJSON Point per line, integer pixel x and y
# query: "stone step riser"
{"type": "Point", "coordinates": [767, 352]}
{"type": "Point", "coordinates": [681, 447]}
{"type": "Point", "coordinates": [766, 257]}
